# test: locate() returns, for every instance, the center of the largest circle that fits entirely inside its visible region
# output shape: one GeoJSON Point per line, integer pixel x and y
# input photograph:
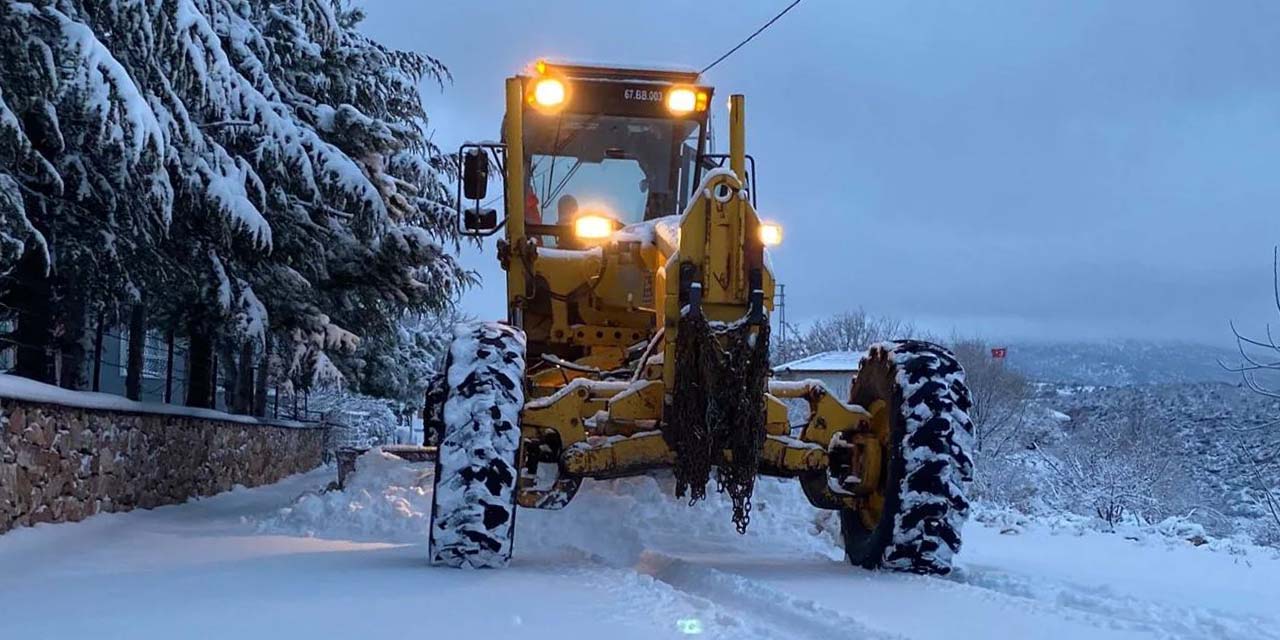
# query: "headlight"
{"type": "Point", "coordinates": [593, 227]}
{"type": "Point", "coordinates": [770, 234]}
{"type": "Point", "coordinates": [681, 101]}
{"type": "Point", "coordinates": [548, 92]}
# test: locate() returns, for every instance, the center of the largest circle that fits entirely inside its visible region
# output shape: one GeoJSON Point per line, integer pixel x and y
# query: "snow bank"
{"type": "Point", "coordinates": [1171, 532]}
{"type": "Point", "coordinates": [616, 521]}
{"type": "Point", "coordinates": [389, 500]}
{"type": "Point", "coordinates": [385, 500]}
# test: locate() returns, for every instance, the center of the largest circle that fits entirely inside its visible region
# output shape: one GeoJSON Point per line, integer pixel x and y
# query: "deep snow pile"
{"type": "Point", "coordinates": [616, 521]}
{"type": "Point", "coordinates": [385, 500]}
{"type": "Point", "coordinates": [389, 500]}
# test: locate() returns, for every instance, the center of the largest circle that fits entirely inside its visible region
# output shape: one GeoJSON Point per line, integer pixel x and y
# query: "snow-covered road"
{"type": "Point", "coordinates": [353, 565]}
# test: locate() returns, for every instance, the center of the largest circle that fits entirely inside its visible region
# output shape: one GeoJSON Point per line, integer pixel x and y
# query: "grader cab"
{"type": "Point", "coordinates": [637, 337]}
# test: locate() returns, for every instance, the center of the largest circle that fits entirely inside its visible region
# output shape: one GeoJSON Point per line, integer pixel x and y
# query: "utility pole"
{"type": "Point", "coordinates": [97, 352]}
{"type": "Point", "coordinates": [168, 368]}
{"type": "Point", "coordinates": [782, 314]}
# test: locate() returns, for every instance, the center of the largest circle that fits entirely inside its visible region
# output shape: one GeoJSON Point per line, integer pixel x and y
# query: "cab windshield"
{"type": "Point", "coordinates": [628, 168]}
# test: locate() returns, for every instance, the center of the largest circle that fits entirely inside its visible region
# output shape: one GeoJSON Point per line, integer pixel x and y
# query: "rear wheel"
{"type": "Point", "coordinates": [474, 501]}
{"type": "Point", "coordinates": [919, 405]}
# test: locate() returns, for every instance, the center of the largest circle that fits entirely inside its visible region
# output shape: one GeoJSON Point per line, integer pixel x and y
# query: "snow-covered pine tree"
{"type": "Point", "coordinates": [400, 367]}
{"type": "Point", "coordinates": [211, 150]}
{"type": "Point", "coordinates": [84, 195]}
{"type": "Point", "coordinates": [371, 243]}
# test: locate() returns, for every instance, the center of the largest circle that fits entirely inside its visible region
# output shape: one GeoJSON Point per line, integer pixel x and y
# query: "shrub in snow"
{"type": "Point", "coordinates": [400, 366]}
{"type": "Point", "coordinates": [358, 421]}
{"type": "Point", "coordinates": [1001, 399]}
{"type": "Point", "coordinates": [1139, 455]}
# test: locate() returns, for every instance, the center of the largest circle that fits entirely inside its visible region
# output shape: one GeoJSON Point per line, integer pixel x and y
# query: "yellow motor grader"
{"type": "Point", "coordinates": [637, 337]}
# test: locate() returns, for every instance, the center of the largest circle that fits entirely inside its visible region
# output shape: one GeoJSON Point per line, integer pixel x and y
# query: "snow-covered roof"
{"type": "Point", "coordinates": [825, 361]}
{"type": "Point", "coordinates": [19, 388]}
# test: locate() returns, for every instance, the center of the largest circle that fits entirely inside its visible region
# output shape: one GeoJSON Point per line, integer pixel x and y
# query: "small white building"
{"type": "Point", "coordinates": [834, 368]}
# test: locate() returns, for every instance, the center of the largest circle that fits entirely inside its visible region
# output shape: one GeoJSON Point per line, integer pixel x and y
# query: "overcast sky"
{"type": "Point", "coordinates": [1043, 170]}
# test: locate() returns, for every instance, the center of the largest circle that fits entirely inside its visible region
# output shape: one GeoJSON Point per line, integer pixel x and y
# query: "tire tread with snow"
{"type": "Point", "coordinates": [433, 410]}
{"type": "Point", "coordinates": [474, 499]}
{"type": "Point", "coordinates": [930, 464]}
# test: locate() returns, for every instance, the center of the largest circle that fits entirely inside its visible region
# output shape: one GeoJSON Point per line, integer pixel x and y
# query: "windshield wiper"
{"type": "Point", "coordinates": [565, 181]}
{"type": "Point", "coordinates": [555, 151]}
{"type": "Point", "coordinates": [557, 145]}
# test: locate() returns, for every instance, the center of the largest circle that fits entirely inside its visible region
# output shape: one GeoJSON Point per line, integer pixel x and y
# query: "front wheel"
{"type": "Point", "coordinates": [912, 523]}
{"type": "Point", "coordinates": [473, 503]}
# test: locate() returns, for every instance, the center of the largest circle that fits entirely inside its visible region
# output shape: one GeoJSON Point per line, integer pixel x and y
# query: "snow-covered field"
{"type": "Point", "coordinates": [623, 561]}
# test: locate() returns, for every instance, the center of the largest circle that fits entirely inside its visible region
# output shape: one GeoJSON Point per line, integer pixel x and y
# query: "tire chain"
{"type": "Point", "coordinates": [717, 406]}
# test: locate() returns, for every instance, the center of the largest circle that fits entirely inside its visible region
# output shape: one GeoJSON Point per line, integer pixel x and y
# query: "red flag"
{"type": "Point", "coordinates": [999, 352]}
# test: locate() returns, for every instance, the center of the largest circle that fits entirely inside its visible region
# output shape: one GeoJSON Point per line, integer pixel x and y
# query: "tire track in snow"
{"type": "Point", "coordinates": [805, 618]}
{"type": "Point", "coordinates": [1129, 612]}
{"type": "Point", "coordinates": [772, 613]}
{"type": "Point", "coordinates": [636, 597]}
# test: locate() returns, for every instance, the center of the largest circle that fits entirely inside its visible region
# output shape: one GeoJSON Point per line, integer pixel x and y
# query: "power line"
{"type": "Point", "coordinates": [750, 37]}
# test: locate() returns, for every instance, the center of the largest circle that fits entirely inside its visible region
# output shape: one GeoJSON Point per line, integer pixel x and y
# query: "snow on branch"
{"type": "Point", "coordinates": [251, 314]}
{"type": "Point", "coordinates": [106, 87]}
{"type": "Point", "coordinates": [225, 187]}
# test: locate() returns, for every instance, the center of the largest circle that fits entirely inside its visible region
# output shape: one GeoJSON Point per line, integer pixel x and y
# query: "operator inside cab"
{"type": "Point", "coordinates": [566, 209]}
{"type": "Point", "coordinates": [532, 208]}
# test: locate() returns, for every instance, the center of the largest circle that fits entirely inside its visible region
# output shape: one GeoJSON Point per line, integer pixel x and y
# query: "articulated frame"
{"type": "Point", "coordinates": [836, 455]}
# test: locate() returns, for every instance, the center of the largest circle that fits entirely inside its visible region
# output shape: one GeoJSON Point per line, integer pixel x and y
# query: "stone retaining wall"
{"type": "Point", "coordinates": [61, 464]}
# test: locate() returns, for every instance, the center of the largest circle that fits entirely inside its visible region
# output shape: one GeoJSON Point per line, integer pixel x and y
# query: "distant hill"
{"type": "Point", "coordinates": [1119, 363]}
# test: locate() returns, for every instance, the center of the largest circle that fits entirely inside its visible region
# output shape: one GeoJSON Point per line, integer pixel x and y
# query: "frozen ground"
{"type": "Point", "coordinates": [622, 561]}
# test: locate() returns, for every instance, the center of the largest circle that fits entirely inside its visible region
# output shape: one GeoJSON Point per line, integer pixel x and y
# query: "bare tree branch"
{"type": "Point", "coordinates": [1260, 484]}
{"type": "Point", "coordinates": [1251, 365]}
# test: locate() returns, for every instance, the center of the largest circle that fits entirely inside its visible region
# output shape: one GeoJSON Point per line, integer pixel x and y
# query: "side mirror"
{"type": "Point", "coordinates": [475, 174]}
{"type": "Point", "coordinates": [480, 219]}
{"type": "Point", "coordinates": [473, 184]}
